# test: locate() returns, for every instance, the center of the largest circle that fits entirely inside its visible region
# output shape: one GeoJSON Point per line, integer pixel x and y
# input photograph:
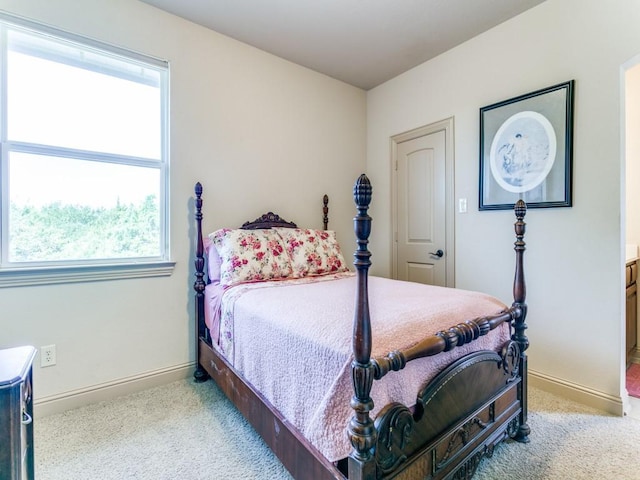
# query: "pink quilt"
{"type": "Point", "coordinates": [292, 341]}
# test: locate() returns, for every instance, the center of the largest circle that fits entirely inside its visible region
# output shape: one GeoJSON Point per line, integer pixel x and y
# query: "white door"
{"type": "Point", "coordinates": [421, 245]}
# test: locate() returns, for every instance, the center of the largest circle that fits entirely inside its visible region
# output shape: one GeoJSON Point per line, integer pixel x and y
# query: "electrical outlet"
{"type": "Point", "coordinates": [47, 356]}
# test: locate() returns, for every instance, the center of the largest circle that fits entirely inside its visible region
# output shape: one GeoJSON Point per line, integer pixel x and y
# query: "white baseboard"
{"type": "Point", "coordinates": [107, 391]}
{"type": "Point", "coordinates": [578, 393]}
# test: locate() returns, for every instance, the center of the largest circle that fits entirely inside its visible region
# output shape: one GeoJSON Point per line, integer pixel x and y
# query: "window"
{"type": "Point", "coordinates": [84, 164]}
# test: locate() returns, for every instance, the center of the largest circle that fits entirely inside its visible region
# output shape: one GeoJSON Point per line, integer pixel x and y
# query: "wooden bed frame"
{"type": "Point", "coordinates": [459, 417]}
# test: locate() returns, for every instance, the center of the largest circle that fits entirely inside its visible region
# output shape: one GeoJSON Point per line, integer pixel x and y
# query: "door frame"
{"type": "Point", "coordinates": [628, 403]}
{"type": "Point", "coordinates": [445, 125]}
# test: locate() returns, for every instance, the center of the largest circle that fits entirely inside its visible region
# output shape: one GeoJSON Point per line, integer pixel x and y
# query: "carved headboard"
{"type": "Point", "coordinates": [272, 220]}
{"type": "Point", "coordinates": [268, 220]}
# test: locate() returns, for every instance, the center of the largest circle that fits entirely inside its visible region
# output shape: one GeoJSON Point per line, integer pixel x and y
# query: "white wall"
{"type": "Point", "coordinates": [573, 262]}
{"type": "Point", "coordinates": [259, 132]}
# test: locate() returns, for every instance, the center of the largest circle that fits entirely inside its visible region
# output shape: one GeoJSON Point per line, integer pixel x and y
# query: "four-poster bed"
{"type": "Point", "coordinates": [431, 407]}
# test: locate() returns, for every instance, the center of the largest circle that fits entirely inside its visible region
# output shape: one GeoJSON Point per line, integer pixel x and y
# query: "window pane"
{"type": "Point", "coordinates": [70, 96]}
{"type": "Point", "coordinates": [69, 209]}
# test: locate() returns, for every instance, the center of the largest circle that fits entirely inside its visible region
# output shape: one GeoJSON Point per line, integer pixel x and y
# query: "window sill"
{"type": "Point", "coordinates": [24, 277]}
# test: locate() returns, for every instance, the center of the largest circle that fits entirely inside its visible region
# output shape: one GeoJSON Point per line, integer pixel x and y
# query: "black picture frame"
{"type": "Point", "coordinates": [526, 150]}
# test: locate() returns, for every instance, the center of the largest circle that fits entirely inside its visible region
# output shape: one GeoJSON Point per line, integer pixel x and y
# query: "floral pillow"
{"type": "Point", "coordinates": [313, 252]}
{"type": "Point", "coordinates": [250, 256]}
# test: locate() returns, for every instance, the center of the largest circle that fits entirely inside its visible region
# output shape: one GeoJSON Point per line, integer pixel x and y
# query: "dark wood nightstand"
{"type": "Point", "coordinates": [16, 414]}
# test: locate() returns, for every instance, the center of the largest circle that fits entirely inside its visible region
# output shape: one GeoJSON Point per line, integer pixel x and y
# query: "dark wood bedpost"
{"type": "Point", "coordinates": [200, 375]}
{"type": "Point", "coordinates": [361, 428]}
{"type": "Point", "coordinates": [325, 212]}
{"type": "Point", "coordinates": [519, 298]}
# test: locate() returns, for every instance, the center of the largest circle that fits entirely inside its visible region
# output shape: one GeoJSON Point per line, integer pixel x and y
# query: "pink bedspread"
{"type": "Point", "coordinates": [292, 341]}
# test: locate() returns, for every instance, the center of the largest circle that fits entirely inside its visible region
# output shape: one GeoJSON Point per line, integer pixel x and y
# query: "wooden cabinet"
{"type": "Point", "coordinates": [16, 414]}
{"type": "Point", "coordinates": [632, 308]}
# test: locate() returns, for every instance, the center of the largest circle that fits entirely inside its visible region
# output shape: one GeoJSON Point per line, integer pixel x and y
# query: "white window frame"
{"type": "Point", "coordinates": [13, 275]}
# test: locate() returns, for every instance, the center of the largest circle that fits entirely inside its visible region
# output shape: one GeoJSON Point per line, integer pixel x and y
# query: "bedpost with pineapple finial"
{"type": "Point", "coordinates": [519, 301]}
{"type": "Point", "coordinates": [361, 428]}
{"type": "Point", "coordinates": [200, 375]}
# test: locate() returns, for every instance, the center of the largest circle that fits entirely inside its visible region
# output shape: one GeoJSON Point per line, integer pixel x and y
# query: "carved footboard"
{"type": "Point", "coordinates": [458, 419]}
{"type": "Point", "coordinates": [464, 412]}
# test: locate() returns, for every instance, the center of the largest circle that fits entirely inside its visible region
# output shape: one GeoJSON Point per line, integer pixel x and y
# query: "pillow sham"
{"type": "Point", "coordinates": [250, 255]}
{"type": "Point", "coordinates": [313, 252]}
{"type": "Point", "coordinates": [213, 261]}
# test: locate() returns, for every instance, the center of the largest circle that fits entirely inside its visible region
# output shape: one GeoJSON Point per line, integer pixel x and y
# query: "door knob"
{"type": "Point", "coordinates": [437, 253]}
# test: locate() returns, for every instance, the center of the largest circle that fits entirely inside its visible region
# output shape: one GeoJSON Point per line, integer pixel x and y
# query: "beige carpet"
{"type": "Point", "coordinates": [190, 431]}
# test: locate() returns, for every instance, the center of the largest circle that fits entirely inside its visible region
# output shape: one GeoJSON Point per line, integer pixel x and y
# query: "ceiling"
{"type": "Point", "coordinates": [361, 42]}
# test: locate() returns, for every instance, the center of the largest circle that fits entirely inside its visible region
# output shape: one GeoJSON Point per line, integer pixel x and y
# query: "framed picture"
{"type": "Point", "coordinates": [526, 150]}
